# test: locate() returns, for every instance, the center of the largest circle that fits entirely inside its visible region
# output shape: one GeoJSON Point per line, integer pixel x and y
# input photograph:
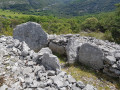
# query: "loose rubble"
{"type": "Point", "coordinates": [22, 72]}
{"type": "Point", "coordinates": [24, 69]}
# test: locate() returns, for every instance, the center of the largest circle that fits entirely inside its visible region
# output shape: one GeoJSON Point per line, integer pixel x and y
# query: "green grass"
{"type": "Point", "coordinates": [8, 13]}
{"type": "Point", "coordinates": [89, 76]}
{"type": "Point", "coordinates": [98, 35]}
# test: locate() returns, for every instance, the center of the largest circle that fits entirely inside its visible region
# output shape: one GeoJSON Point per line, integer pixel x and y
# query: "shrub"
{"type": "Point", "coordinates": [116, 35]}
{"type": "Point", "coordinates": [90, 24]}
{"type": "Point", "coordinates": [108, 35]}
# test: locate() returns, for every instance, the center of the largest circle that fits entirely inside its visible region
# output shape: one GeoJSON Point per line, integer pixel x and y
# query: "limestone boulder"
{"type": "Point", "coordinates": [92, 56]}
{"type": "Point", "coordinates": [32, 34]}
{"type": "Point", "coordinates": [110, 59]}
{"type": "Point", "coordinates": [60, 49]}
{"type": "Point", "coordinates": [45, 50]}
{"type": "Point", "coordinates": [50, 61]}
{"type": "Point", "coordinates": [72, 49]}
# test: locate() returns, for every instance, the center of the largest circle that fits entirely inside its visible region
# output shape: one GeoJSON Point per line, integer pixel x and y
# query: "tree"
{"type": "Point", "coordinates": [90, 24]}
{"type": "Point", "coordinates": [116, 27]}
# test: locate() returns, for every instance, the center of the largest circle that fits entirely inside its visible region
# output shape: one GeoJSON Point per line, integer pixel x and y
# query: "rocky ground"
{"type": "Point", "coordinates": [92, 52]}
{"type": "Point", "coordinates": [23, 69]}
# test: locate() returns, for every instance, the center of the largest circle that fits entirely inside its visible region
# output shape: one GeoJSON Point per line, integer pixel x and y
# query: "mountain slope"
{"type": "Point", "coordinates": [78, 7]}
{"type": "Point", "coordinates": [60, 7]}
{"type": "Point", "coordinates": [25, 4]}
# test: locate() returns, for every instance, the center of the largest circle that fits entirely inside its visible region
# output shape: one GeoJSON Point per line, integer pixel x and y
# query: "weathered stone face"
{"type": "Point", "coordinates": [72, 48]}
{"type": "Point", "coordinates": [91, 56]}
{"type": "Point", "coordinates": [50, 61]}
{"type": "Point", "coordinates": [32, 34]}
{"type": "Point", "coordinates": [57, 48]}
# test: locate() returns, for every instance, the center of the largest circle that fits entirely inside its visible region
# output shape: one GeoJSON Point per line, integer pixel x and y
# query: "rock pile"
{"type": "Point", "coordinates": [24, 69]}
{"type": "Point", "coordinates": [90, 51]}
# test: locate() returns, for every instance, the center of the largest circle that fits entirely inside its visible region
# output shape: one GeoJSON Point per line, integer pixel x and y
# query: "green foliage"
{"type": "Point", "coordinates": [116, 35]}
{"type": "Point", "coordinates": [108, 35]}
{"type": "Point", "coordinates": [59, 7]}
{"type": "Point", "coordinates": [82, 7]}
{"type": "Point", "coordinates": [90, 24]}
{"type": "Point", "coordinates": [116, 26]}
{"type": "Point", "coordinates": [102, 26]}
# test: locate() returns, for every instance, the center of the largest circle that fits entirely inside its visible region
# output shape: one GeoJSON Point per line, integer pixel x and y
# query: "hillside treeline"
{"type": "Point", "coordinates": [106, 23]}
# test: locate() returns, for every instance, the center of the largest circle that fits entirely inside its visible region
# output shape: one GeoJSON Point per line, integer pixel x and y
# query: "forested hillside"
{"type": "Point", "coordinates": [79, 7]}
{"type": "Point", "coordinates": [102, 26]}
{"type": "Point", "coordinates": [25, 4]}
{"type": "Point", "coordinates": [59, 7]}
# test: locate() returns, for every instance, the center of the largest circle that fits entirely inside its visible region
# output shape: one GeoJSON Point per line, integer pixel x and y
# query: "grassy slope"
{"type": "Point", "coordinates": [8, 13]}
{"type": "Point", "coordinates": [78, 7]}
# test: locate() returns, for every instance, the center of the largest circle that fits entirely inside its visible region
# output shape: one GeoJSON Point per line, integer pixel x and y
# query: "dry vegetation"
{"type": "Point", "coordinates": [1, 80]}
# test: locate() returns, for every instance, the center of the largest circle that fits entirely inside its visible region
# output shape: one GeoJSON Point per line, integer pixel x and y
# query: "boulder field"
{"type": "Point", "coordinates": [24, 69]}
{"type": "Point", "coordinates": [27, 61]}
{"type": "Point", "coordinates": [92, 52]}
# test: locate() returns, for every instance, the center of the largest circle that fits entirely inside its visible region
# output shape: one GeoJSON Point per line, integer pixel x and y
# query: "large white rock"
{"type": "Point", "coordinates": [72, 49]}
{"type": "Point", "coordinates": [32, 34]}
{"type": "Point", "coordinates": [91, 56]}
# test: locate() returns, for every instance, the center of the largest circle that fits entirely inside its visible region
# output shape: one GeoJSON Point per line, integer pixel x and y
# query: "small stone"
{"type": "Point", "coordinates": [35, 84]}
{"type": "Point", "coordinates": [74, 87]}
{"type": "Point", "coordinates": [42, 85]}
{"type": "Point", "coordinates": [62, 74]}
{"type": "Point", "coordinates": [114, 66]}
{"type": "Point", "coordinates": [27, 70]}
{"type": "Point", "coordinates": [14, 68]}
{"type": "Point", "coordinates": [50, 73]}
{"type": "Point", "coordinates": [89, 87]}
{"type": "Point", "coordinates": [110, 59]}
{"type": "Point", "coordinates": [63, 88]}
{"type": "Point", "coordinates": [80, 84]}
{"type": "Point", "coordinates": [49, 82]}
{"type": "Point", "coordinates": [117, 55]}
{"type": "Point", "coordinates": [71, 79]}
{"type": "Point", "coordinates": [16, 43]}
{"type": "Point", "coordinates": [25, 49]}
{"type": "Point", "coordinates": [4, 87]}
{"type": "Point", "coordinates": [39, 89]}
{"type": "Point", "coordinates": [45, 50]}
{"type": "Point", "coordinates": [58, 81]}
{"type": "Point", "coordinates": [21, 79]}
